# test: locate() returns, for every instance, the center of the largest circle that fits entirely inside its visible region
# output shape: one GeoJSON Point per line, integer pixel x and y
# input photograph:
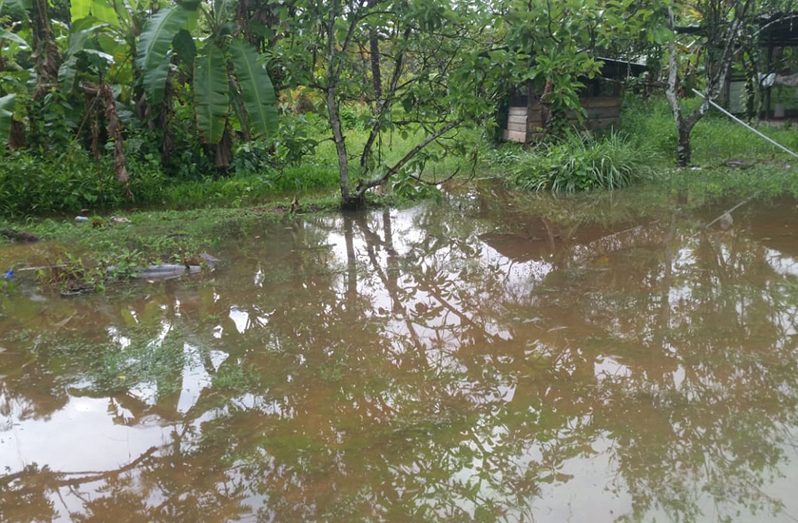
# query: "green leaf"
{"type": "Point", "coordinates": [79, 9]}
{"type": "Point", "coordinates": [82, 30]}
{"type": "Point", "coordinates": [183, 45]}
{"type": "Point", "coordinates": [211, 93]}
{"type": "Point", "coordinates": [68, 71]}
{"type": "Point", "coordinates": [13, 37]}
{"type": "Point", "coordinates": [104, 10]}
{"type": "Point", "coordinates": [153, 50]}
{"type": "Point", "coordinates": [15, 7]}
{"type": "Point", "coordinates": [6, 106]}
{"type": "Point", "coordinates": [100, 55]}
{"type": "Point", "coordinates": [100, 9]}
{"type": "Point", "coordinates": [257, 90]}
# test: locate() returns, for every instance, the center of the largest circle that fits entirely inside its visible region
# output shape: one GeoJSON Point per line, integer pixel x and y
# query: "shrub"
{"type": "Point", "coordinates": [580, 163]}
{"type": "Point", "coordinates": [71, 182]}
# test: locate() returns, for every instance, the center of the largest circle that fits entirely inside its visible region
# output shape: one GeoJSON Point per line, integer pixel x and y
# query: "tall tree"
{"type": "Point", "coordinates": [45, 50]}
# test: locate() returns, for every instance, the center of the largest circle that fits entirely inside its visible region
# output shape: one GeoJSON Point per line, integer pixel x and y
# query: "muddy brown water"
{"type": "Point", "coordinates": [449, 362]}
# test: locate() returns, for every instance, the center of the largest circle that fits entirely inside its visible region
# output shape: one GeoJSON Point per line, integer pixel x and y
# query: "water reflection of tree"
{"type": "Point", "coordinates": [400, 377]}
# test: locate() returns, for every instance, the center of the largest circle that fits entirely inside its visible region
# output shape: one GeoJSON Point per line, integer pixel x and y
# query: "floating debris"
{"type": "Point", "coordinates": [161, 272]}
{"type": "Point", "coordinates": [209, 259]}
{"type": "Point", "coordinates": [726, 221]}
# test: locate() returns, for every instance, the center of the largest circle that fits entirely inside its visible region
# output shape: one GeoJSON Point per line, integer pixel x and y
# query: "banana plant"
{"type": "Point", "coordinates": [98, 65]}
{"type": "Point", "coordinates": [103, 31]}
{"type": "Point", "coordinates": [6, 116]}
{"type": "Point", "coordinates": [226, 70]}
{"type": "Point", "coordinates": [17, 73]}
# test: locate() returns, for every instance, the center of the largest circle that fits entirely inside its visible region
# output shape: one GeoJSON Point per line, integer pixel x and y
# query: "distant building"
{"type": "Point", "coordinates": [522, 118]}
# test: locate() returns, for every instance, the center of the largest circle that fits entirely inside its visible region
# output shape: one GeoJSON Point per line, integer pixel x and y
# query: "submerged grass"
{"type": "Point", "coordinates": [75, 256]}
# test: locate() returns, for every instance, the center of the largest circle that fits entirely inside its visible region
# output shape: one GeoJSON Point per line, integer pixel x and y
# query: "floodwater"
{"type": "Point", "coordinates": [461, 361]}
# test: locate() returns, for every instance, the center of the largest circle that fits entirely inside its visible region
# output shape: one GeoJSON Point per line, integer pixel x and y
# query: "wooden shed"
{"type": "Point", "coordinates": [600, 98]}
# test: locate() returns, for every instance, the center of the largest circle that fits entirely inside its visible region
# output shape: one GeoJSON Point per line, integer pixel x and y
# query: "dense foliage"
{"type": "Point", "coordinates": [151, 94]}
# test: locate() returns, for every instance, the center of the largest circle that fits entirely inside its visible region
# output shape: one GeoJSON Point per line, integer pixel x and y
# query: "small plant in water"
{"type": "Point", "coordinates": [6, 283]}
{"type": "Point", "coordinates": [72, 276]}
{"type": "Point", "coordinates": [123, 265]}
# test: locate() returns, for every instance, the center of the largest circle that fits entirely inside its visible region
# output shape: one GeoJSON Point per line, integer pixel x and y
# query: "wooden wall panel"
{"type": "Point", "coordinates": [602, 112]}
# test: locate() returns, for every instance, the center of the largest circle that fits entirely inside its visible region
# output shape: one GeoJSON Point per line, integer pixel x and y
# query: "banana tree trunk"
{"type": "Point", "coordinates": [45, 50]}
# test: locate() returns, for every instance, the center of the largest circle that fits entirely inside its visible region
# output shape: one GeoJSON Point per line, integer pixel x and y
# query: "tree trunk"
{"type": "Point", "coordinates": [717, 68]}
{"type": "Point", "coordinates": [684, 151]}
{"type": "Point", "coordinates": [531, 102]}
{"type": "Point", "coordinates": [45, 50]}
{"type": "Point", "coordinates": [114, 128]}
{"type": "Point", "coordinates": [340, 144]}
{"type": "Point", "coordinates": [16, 139]}
{"type": "Point", "coordinates": [164, 123]}
{"type": "Point", "coordinates": [376, 73]}
{"type": "Point", "coordinates": [333, 74]}
{"type": "Point", "coordinates": [223, 151]}
{"type": "Point", "coordinates": [384, 99]}
{"type": "Point", "coordinates": [546, 114]}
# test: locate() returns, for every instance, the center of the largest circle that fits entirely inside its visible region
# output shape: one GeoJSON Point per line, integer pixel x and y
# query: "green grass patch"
{"type": "Point", "coordinates": [715, 139]}
{"type": "Point", "coordinates": [301, 160]}
{"type": "Point", "coordinates": [580, 162]}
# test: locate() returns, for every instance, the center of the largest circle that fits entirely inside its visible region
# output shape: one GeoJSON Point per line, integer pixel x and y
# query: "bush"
{"type": "Point", "coordinates": [579, 163]}
{"type": "Point", "coordinates": [68, 183]}
{"type": "Point", "coordinates": [292, 143]}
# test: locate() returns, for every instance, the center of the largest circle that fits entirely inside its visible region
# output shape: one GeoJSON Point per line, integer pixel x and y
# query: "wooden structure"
{"type": "Point", "coordinates": [600, 98]}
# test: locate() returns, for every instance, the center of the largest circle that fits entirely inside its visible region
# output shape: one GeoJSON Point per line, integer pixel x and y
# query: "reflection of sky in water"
{"type": "Point", "coordinates": [496, 336]}
{"type": "Point", "coordinates": [79, 437]}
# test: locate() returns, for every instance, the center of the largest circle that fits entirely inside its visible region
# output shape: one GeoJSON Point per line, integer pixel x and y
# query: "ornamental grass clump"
{"type": "Point", "coordinates": [581, 162]}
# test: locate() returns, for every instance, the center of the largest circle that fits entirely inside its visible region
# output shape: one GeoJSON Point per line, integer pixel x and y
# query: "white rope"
{"type": "Point", "coordinates": [730, 115]}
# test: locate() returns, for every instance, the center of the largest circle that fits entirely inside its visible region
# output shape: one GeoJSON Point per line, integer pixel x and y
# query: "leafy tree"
{"type": "Point", "coordinates": [416, 65]}
{"type": "Point", "coordinates": [29, 60]}
{"type": "Point", "coordinates": [554, 46]}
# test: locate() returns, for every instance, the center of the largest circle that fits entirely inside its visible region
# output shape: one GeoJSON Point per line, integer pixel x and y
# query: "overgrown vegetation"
{"type": "Point", "coordinates": [580, 162]}
{"type": "Point", "coordinates": [108, 107]}
{"type": "Point", "coordinates": [727, 158]}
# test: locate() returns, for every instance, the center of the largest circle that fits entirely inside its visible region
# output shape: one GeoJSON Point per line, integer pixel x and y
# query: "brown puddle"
{"type": "Point", "coordinates": [442, 363]}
